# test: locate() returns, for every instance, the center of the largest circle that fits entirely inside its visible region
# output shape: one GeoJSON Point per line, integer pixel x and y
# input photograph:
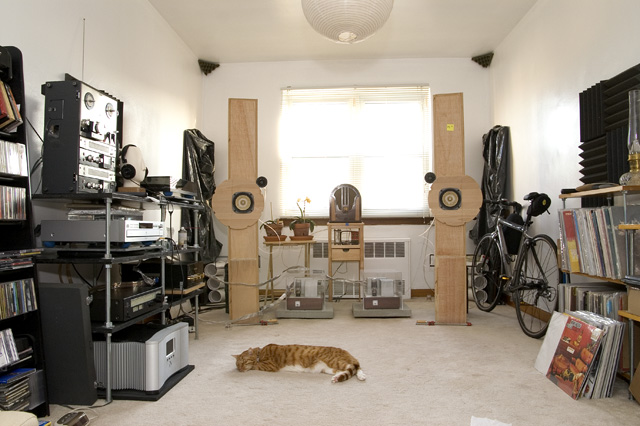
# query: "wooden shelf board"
{"type": "Point", "coordinates": [186, 291]}
{"type": "Point", "coordinates": [611, 280]}
{"type": "Point", "coordinates": [603, 191]}
{"type": "Point", "coordinates": [629, 226]}
{"type": "Point", "coordinates": [629, 315]}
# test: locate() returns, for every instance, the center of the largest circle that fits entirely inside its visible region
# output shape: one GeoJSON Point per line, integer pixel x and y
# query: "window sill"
{"type": "Point", "coordinates": [322, 221]}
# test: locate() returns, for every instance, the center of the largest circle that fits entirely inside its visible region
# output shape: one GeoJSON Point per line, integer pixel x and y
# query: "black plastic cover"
{"type": "Point", "coordinates": [494, 179]}
{"type": "Point", "coordinates": [198, 166]}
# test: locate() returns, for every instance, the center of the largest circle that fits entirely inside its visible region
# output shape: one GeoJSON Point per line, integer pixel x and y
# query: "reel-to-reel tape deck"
{"type": "Point", "coordinates": [83, 127]}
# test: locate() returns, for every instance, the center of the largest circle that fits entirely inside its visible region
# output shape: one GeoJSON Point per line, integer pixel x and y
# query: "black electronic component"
{"type": "Point", "coordinates": [81, 138]}
{"type": "Point", "coordinates": [68, 349]}
{"type": "Point", "coordinates": [127, 302]}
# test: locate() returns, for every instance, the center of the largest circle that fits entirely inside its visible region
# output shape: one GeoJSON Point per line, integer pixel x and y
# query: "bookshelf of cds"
{"type": "Point", "coordinates": [22, 379]}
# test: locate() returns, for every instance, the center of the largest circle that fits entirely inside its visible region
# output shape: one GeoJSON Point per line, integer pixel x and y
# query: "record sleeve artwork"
{"type": "Point", "coordinates": [454, 200]}
{"type": "Point", "coordinates": [238, 204]}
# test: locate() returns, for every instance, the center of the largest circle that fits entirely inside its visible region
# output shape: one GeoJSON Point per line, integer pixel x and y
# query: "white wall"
{"type": "Point", "coordinates": [263, 81]}
{"type": "Point", "coordinates": [560, 48]}
{"type": "Point", "coordinates": [128, 50]}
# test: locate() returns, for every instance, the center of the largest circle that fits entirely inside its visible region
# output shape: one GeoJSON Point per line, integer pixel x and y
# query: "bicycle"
{"type": "Point", "coordinates": [525, 266]}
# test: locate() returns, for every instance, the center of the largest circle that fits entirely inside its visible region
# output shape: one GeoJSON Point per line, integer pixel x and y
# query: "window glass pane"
{"type": "Point", "coordinates": [397, 124]}
{"type": "Point", "coordinates": [314, 178]}
{"type": "Point", "coordinates": [316, 128]}
{"type": "Point", "coordinates": [377, 139]}
{"type": "Point", "coordinates": [393, 184]}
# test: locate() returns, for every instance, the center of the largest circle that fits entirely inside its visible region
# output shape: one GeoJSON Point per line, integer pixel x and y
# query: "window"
{"type": "Point", "coordinates": [377, 139]}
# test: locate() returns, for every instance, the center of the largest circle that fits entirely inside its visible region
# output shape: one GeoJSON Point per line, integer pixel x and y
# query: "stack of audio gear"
{"type": "Point", "coordinates": [83, 127]}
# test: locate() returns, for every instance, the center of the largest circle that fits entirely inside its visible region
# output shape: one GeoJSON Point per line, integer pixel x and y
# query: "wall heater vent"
{"type": "Point", "coordinates": [383, 258]}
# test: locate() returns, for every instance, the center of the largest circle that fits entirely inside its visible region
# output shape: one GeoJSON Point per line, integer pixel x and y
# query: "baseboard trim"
{"type": "Point", "coordinates": [422, 292]}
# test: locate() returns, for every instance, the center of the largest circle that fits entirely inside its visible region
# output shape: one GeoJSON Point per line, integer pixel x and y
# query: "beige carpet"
{"type": "Point", "coordinates": [416, 375]}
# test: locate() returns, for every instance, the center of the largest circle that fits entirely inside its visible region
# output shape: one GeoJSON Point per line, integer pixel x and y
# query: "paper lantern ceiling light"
{"type": "Point", "coordinates": [347, 21]}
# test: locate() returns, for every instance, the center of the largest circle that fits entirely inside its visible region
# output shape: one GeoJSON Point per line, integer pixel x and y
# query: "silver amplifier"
{"type": "Point", "coordinates": [122, 231]}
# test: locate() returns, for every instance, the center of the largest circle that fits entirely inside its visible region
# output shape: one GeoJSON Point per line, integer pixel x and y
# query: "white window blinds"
{"type": "Point", "coordinates": [377, 139]}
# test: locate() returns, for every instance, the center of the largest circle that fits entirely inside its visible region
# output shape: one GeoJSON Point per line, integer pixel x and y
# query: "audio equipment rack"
{"type": "Point", "coordinates": [111, 257]}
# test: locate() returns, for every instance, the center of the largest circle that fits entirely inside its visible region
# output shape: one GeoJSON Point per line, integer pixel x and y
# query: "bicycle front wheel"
{"type": "Point", "coordinates": [536, 283]}
{"type": "Point", "coordinates": [486, 273]}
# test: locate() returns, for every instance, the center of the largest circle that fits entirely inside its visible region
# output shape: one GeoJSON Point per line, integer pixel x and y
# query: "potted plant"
{"type": "Point", "coordinates": [273, 228]}
{"type": "Point", "coordinates": [302, 225]}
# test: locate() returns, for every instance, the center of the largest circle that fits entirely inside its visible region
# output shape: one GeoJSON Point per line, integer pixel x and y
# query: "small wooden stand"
{"type": "Point", "coordinates": [341, 251]}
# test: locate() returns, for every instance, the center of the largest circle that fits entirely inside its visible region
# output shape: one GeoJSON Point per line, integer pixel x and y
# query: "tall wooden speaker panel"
{"type": "Point", "coordinates": [238, 204]}
{"type": "Point", "coordinates": [454, 200]}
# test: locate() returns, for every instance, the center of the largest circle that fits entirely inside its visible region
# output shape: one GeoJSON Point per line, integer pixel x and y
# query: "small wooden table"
{"type": "Point", "coordinates": [286, 243]}
{"type": "Point", "coordinates": [341, 250]}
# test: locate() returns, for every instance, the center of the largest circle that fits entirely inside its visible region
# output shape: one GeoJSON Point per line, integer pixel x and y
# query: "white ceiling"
{"type": "Point", "coordinates": [227, 31]}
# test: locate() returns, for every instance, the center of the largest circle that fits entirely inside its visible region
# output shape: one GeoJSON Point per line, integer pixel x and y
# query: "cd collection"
{"type": "Point", "coordinates": [17, 297]}
{"type": "Point", "coordinates": [8, 350]}
{"type": "Point", "coordinates": [13, 158]}
{"type": "Point", "coordinates": [15, 391]}
{"type": "Point", "coordinates": [14, 203]}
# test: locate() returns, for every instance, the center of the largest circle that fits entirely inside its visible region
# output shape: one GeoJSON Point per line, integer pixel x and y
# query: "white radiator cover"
{"type": "Point", "coordinates": [383, 258]}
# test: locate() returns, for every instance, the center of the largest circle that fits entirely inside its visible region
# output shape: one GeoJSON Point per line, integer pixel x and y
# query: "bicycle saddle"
{"type": "Point", "coordinates": [530, 196]}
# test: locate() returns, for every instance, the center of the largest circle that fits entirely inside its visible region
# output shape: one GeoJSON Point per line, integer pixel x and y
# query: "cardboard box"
{"type": "Point", "coordinates": [634, 300]}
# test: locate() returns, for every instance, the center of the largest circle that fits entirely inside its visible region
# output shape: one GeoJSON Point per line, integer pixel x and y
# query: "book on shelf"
{"type": "Point", "coordinates": [6, 109]}
{"type": "Point", "coordinates": [14, 117]}
{"type": "Point", "coordinates": [581, 352]}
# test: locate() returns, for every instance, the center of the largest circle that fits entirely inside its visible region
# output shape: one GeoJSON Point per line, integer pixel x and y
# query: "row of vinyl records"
{"type": "Point", "coordinates": [17, 297]}
{"type": "Point", "coordinates": [13, 158]}
{"type": "Point", "coordinates": [581, 353]}
{"type": "Point", "coordinates": [591, 242]}
{"type": "Point", "coordinates": [602, 298]}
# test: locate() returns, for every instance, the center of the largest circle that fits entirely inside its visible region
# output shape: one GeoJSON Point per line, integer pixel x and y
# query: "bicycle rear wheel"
{"type": "Point", "coordinates": [486, 272]}
{"type": "Point", "coordinates": [536, 283]}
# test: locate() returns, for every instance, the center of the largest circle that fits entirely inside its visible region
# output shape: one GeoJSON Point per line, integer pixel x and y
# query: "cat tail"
{"type": "Point", "coordinates": [348, 373]}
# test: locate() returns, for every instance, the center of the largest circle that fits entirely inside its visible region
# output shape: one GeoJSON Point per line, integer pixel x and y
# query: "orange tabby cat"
{"type": "Point", "coordinates": [314, 359]}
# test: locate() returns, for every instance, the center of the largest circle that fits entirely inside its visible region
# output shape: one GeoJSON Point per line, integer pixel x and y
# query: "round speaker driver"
{"type": "Point", "coordinates": [450, 199]}
{"type": "Point", "coordinates": [242, 202]}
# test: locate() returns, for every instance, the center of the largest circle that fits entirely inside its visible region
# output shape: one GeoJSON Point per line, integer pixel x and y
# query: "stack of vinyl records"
{"type": "Point", "coordinates": [581, 352]}
{"type": "Point", "coordinates": [14, 389]}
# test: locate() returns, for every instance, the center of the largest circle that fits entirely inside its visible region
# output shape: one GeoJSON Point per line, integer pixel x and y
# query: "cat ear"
{"type": "Point", "coordinates": [235, 356]}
